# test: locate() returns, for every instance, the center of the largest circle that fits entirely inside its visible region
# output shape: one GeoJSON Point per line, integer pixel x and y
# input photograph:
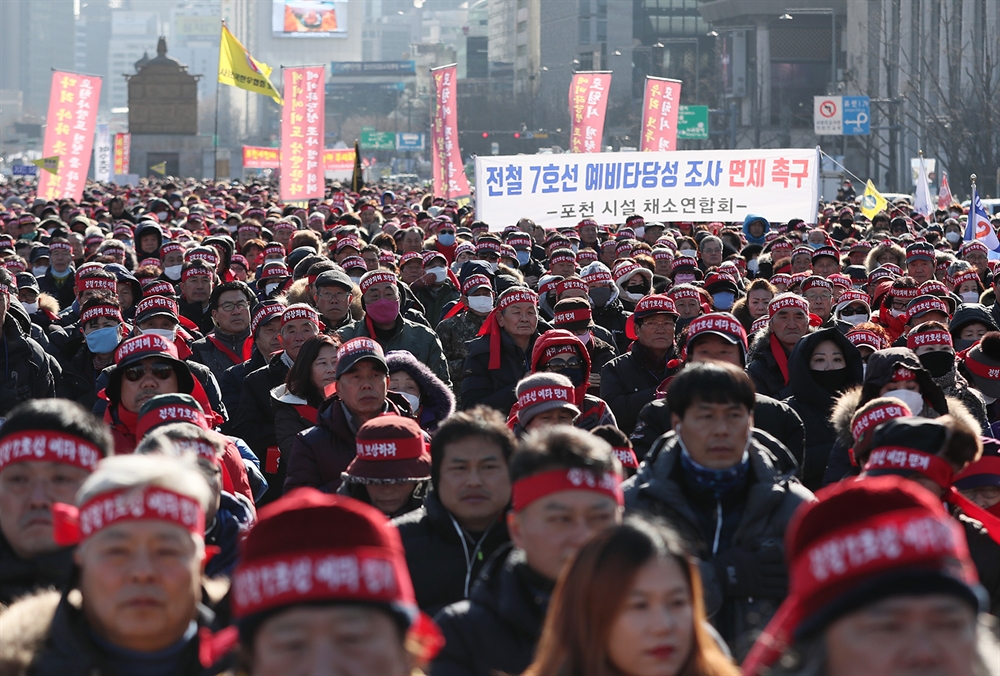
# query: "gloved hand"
{"type": "Point", "coordinates": [746, 573]}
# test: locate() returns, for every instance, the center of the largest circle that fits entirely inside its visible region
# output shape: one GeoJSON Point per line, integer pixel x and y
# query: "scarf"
{"type": "Point", "coordinates": [780, 357]}
{"type": "Point", "coordinates": [716, 481]}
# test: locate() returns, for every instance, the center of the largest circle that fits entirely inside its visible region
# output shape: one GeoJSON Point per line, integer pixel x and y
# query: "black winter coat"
{"type": "Point", "coordinates": [985, 554]}
{"type": "Point", "coordinates": [231, 380]}
{"type": "Point", "coordinates": [763, 368]}
{"type": "Point", "coordinates": [254, 420]}
{"type": "Point", "coordinates": [497, 629]}
{"type": "Point", "coordinates": [20, 577]}
{"type": "Point", "coordinates": [443, 571]}
{"type": "Point", "coordinates": [779, 420]}
{"type": "Point", "coordinates": [79, 379]}
{"type": "Point", "coordinates": [494, 388]}
{"type": "Point", "coordinates": [202, 317]}
{"type": "Point", "coordinates": [613, 317]}
{"type": "Point", "coordinates": [28, 372]}
{"type": "Point", "coordinates": [204, 351]}
{"type": "Point", "coordinates": [815, 404]}
{"type": "Point", "coordinates": [758, 520]}
{"type": "Point", "coordinates": [60, 289]}
{"type": "Point", "coordinates": [629, 382]}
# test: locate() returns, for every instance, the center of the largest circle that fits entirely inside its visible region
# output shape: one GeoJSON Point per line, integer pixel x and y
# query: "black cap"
{"type": "Point", "coordinates": [26, 280]}
{"type": "Point", "coordinates": [334, 278]}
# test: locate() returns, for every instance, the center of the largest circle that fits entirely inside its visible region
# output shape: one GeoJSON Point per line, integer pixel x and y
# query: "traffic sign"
{"type": "Point", "coordinates": [377, 140]}
{"type": "Point", "coordinates": [857, 115]}
{"type": "Point", "coordinates": [24, 170]}
{"type": "Point", "coordinates": [828, 115]}
{"type": "Point", "coordinates": [692, 122]}
{"type": "Point", "coordinates": [408, 141]}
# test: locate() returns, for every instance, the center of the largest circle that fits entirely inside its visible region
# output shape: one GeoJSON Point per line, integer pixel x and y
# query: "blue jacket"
{"type": "Point", "coordinates": [746, 228]}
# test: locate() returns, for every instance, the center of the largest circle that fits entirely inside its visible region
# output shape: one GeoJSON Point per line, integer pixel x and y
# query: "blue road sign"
{"type": "Point", "coordinates": [408, 141]}
{"type": "Point", "coordinates": [24, 170]}
{"type": "Point", "coordinates": [857, 115]}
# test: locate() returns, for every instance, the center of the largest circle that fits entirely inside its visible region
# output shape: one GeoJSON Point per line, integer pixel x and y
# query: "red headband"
{"type": "Point", "coordinates": [877, 416]}
{"type": "Point", "coordinates": [59, 246]}
{"type": "Point", "coordinates": [982, 370]}
{"type": "Point", "coordinates": [960, 278]}
{"type": "Point", "coordinates": [474, 282]}
{"type": "Point", "coordinates": [781, 278]}
{"type": "Point", "coordinates": [901, 374]}
{"type": "Point", "coordinates": [488, 245]}
{"type": "Point", "coordinates": [195, 272]}
{"type": "Point", "coordinates": [199, 447]}
{"type": "Point", "coordinates": [597, 277]}
{"type": "Point", "coordinates": [97, 284]}
{"type": "Point", "coordinates": [539, 395]}
{"type": "Point", "coordinates": [572, 284]}
{"type": "Point", "coordinates": [390, 449]}
{"type": "Point", "coordinates": [532, 488]}
{"type": "Point", "coordinates": [626, 456]}
{"type": "Point", "coordinates": [156, 303]}
{"type": "Point", "coordinates": [865, 337]}
{"type": "Point", "coordinates": [904, 293]}
{"type": "Point", "coordinates": [929, 305]}
{"type": "Point", "coordinates": [293, 313]}
{"type": "Point", "coordinates": [679, 293]}
{"type": "Point", "coordinates": [525, 296]}
{"type": "Point", "coordinates": [915, 340]}
{"type": "Point", "coordinates": [910, 459]}
{"type": "Point", "coordinates": [582, 314]}
{"type": "Point", "coordinates": [209, 258]}
{"type": "Point", "coordinates": [377, 277]}
{"type": "Point", "coordinates": [170, 413]}
{"type": "Point", "coordinates": [71, 526]}
{"type": "Point", "coordinates": [48, 446]}
{"type": "Point", "coordinates": [562, 258]}
{"type": "Point", "coordinates": [96, 311]}
{"type": "Point", "coordinates": [361, 574]}
{"type": "Point", "coordinates": [779, 304]}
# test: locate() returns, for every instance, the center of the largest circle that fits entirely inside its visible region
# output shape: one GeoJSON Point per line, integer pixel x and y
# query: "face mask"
{"type": "Point", "coordinates": [952, 236]}
{"type": "Point", "coordinates": [446, 239]}
{"type": "Point", "coordinates": [897, 313]}
{"type": "Point", "coordinates": [172, 272]}
{"type": "Point", "coordinates": [854, 320]}
{"type": "Point", "coordinates": [39, 271]}
{"type": "Point", "coordinates": [723, 300]}
{"type": "Point", "coordinates": [815, 245]}
{"type": "Point", "coordinates": [30, 308]}
{"type": "Point", "coordinates": [575, 376]}
{"type": "Point", "coordinates": [103, 341]}
{"type": "Point", "coordinates": [633, 297]}
{"type": "Point", "coordinates": [167, 334]}
{"type": "Point", "coordinates": [970, 296]}
{"type": "Point", "coordinates": [355, 278]}
{"type": "Point", "coordinates": [690, 253]}
{"type": "Point", "coordinates": [269, 288]}
{"type": "Point", "coordinates": [600, 295]}
{"type": "Point", "coordinates": [383, 311]}
{"type": "Point", "coordinates": [938, 363]}
{"type": "Point", "coordinates": [963, 344]}
{"type": "Point", "coordinates": [523, 257]}
{"type": "Point", "coordinates": [411, 399]}
{"type": "Point", "coordinates": [30, 236]}
{"type": "Point", "coordinates": [440, 274]}
{"type": "Point", "coordinates": [753, 266]}
{"type": "Point", "coordinates": [232, 227]}
{"type": "Point", "coordinates": [575, 248]}
{"type": "Point", "coordinates": [640, 231]}
{"type": "Point", "coordinates": [585, 338]}
{"type": "Point", "coordinates": [492, 266]}
{"type": "Point", "coordinates": [481, 304]}
{"type": "Point", "coordinates": [60, 275]}
{"type": "Point", "coordinates": [913, 400]}
{"type": "Point", "coordinates": [161, 216]}
{"type": "Point", "coordinates": [832, 381]}
{"type": "Point", "coordinates": [683, 278]}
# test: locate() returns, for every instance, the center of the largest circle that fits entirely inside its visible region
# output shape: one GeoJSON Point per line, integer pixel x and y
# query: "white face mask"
{"type": "Point", "coordinates": [268, 288]}
{"type": "Point", "coordinates": [913, 400]}
{"type": "Point", "coordinates": [355, 278]}
{"type": "Point", "coordinates": [854, 320]}
{"type": "Point", "coordinates": [166, 334]}
{"type": "Point", "coordinates": [491, 266]}
{"type": "Point", "coordinates": [640, 231]}
{"type": "Point", "coordinates": [172, 272]}
{"type": "Point", "coordinates": [161, 216]}
{"type": "Point", "coordinates": [897, 313]}
{"type": "Point", "coordinates": [688, 252]}
{"type": "Point", "coordinates": [585, 338]}
{"type": "Point", "coordinates": [753, 266]}
{"type": "Point", "coordinates": [481, 304]}
{"type": "Point", "coordinates": [952, 236]}
{"type": "Point", "coordinates": [632, 297]}
{"type": "Point", "coordinates": [440, 274]}
{"type": "Point", "coordinates": [970, 296]}
{"type": "Point", "coordinates": [39, 271]}
{"type": "Point", "coordinates": [411, 399]}
{"type": "Point", "coordinates": [30, 308]}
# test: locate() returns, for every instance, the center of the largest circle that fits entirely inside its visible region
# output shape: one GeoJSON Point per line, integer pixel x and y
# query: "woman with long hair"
{"type": "Point", "coordinates": [630, 604]}
{"type": "Point", "coordinates": [296, 403]}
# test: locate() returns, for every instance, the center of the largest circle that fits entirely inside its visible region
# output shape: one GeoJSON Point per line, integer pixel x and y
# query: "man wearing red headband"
{"type": "Point", "coordinates": [135, 599]}
{"type": "Point", "coordinates": [47, 449]}
{"type": "Point", "coordinates": [724, 493]}
{"type": "Point", "coordinates": [197, 282]}
{"type": "Point", "coordinates": [768, 361]}
{"type": "Point", "coordinates": [90, 281]}
{"type": "Point", "coordinates": [103, 328]}
{"type": "Point", "coordinates": [59, 279]}
{"type": "Point", "coordinates": [25, 366]}
{"type": "Point", "coordinates": [566, 488]}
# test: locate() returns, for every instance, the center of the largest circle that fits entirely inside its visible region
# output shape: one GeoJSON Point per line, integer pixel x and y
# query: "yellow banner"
{"type": "Point", "coordinates": [49, 164]}
{"type": "Point", "coordinates": [239, 69]}
{"type": "Point", "coordinates": [872, 201]}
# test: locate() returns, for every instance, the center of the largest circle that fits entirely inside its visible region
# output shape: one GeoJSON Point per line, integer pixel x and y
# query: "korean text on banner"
{"type": "Point", "coordinates": [302, 129]}
{"type": "Point", "coordinates": [659, 114]}
{"type": "Point", "coordinates": [123, 151]}
{"type": "Point", "coordinates": [102, 154]}
{"type": "Point", "coordinates": [450, 180]}
{"type": "Point", "coordinates": [255, 157]}
{"type": "Point", "coordinates": [588, 101]}
{"type": "Point", "coordinates": [339, 160]}
{"type": "Point", "coordinates": [686, 185]}
{"type": "Point", "coordinates": [69, 134]}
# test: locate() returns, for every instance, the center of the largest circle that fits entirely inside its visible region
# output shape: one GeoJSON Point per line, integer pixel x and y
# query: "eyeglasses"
{"type": "Point", "coordinates": [561, 364]}
{"type": "Point", "coordinates": [333, 297]}
{"type": "Point", "coordinates": [656, 324]}
{"type": "Point", "coordinates": [813, 297]}
{"type": "Point", "coordinates": [238, 305]}
{"type": "Point", "coordinates": [136, 373]}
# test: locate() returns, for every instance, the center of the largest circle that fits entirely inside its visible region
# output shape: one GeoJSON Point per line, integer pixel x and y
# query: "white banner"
{"type": "Point", "coordinates": [688, 185]}
{"type": "Point", "coordinates": [102, 153]}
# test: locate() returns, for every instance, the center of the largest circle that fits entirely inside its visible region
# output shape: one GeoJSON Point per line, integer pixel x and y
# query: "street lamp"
{"type": "Point", "coordinates": [822, 11]}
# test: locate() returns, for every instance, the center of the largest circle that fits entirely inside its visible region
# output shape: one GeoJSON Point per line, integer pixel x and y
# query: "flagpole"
{"type": "Point", "coordinates": [215, 137]}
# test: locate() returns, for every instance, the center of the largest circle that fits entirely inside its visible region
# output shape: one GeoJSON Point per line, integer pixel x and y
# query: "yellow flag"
{"type": "Point", "coordinates": [160, 168]}
{"type": "Point", "coordinates": [239, 69]}
{"type": "Point", "coordinates": [872, 201]}
{"type": "Point", "coordinates": [49, 164]}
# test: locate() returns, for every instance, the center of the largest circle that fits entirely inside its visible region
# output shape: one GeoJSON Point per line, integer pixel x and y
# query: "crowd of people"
{"type": "Point", "coordinates": [372, 434]}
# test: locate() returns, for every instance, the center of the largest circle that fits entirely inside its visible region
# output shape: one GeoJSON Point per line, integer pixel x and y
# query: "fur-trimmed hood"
{"type": "Point", "coordinates": [848, 402]}
{"type": "Point", "coordinates": [437, 399]}
{"type": "Point", "coordinates": [871, 261]}
{"type": "Point", "coordinates": [48, 303]}
{"type": "Point", "coordinates": [23, 629]}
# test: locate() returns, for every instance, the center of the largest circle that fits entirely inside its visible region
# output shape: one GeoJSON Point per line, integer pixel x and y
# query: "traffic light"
{"type": "Point", "coordinates": [486, 134]}
{"type": "Point", "coordinates": [517, 134]}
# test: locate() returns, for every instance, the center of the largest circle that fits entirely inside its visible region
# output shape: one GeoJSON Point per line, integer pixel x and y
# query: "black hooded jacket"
{"type": "Point", "coordinates": [494, 388]}
{"type": "Point", "coordinates": [814, 403]}
{"type": "Point", "coordinates": [443, 571]}
{"type": "Point", "coordinates": [497, 629]}
{"type": "Point", "coordinates": [20, 577]}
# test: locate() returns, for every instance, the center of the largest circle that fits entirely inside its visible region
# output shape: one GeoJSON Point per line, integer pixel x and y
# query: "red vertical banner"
{"type": "Point", "coordinates": [69, 134]}
{"type": "Point", "coordinates": [302, 131]}
{"type": "Point", "coordinates": [122, 152]}
{"type": "Point", "coordinates": [588, 101]}
{"type": "Point", "coordinates": [659, 114]}
{"type": "Point", "coordinates": [450, 180]}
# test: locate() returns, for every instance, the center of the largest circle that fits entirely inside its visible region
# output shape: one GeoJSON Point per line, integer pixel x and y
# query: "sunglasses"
{"type": "Point", "coordinates": [560, 364]}
{"type": "Point", "coordinates": [136, 373]}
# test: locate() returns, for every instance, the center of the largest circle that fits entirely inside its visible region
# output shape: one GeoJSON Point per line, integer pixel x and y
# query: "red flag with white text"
{"type": "Point", "coordinates": [659, 114]}
{"type": "Point", "coordinates": [450, 180]}
{"type": "Point", "coordinates": [588, 102]}
{"type": "Point", "coordinates": [69, 134]}
{"type": "Point", "coordinates": [302, 131]}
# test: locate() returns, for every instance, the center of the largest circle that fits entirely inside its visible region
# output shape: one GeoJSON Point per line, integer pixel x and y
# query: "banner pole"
{"type": "Point", "coordinates": [215, 137]}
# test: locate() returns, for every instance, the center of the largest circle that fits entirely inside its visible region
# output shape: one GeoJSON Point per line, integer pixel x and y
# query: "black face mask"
{"type": "Point", "coordinates": [833, 381]}
{"type": "Point", "coordinates": [600, 295]}
{"type": "Point", "coordinates": [938, 363]}
{"type": "Point", "coordinates": [642, 288]}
